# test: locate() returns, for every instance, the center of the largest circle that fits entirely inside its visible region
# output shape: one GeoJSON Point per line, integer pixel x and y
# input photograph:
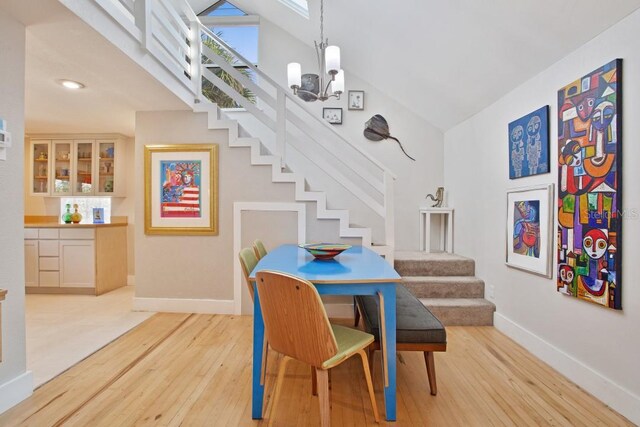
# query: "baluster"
{"type": "Point", "coordinates": [196, 57]}
{"type": "Point", "coordinates": [142, 14]}
{"type": "Point", "coordinates": [389, 222]}
{"type": "Point", "coordinates": [281, 127]}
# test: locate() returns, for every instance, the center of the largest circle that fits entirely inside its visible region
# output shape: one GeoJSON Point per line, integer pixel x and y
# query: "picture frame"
{"type": "Point", "coordinates": [529, 144]}
{"type": "Point", "coordinates": [355, 100]}
{"type": "Point", "coordinates": [98, 215]}
{"type": "Point", "coordinates": [333, 115]}
{"type": "Point", "coordinates": [529, 238]}
{"type": "Point", "coordinates": [181, 189]}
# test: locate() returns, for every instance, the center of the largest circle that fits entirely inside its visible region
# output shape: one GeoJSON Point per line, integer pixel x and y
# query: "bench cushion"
{"type": "Point", "coordinates": [414, 322]}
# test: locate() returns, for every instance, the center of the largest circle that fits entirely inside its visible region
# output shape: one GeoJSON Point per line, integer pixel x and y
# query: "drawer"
{"type": "Point", "coordinates": [49, 263]}
{"type": "Point", "coordinates": [30, 233]}
{"type": "Point", "coordinates": [48, 248]}
{"type": "Point", "coordinates": [77, 234]}
{"type": "Point", "coordinates": [47, 233]}
{"type": "Point", "coordinates": [49, 279]}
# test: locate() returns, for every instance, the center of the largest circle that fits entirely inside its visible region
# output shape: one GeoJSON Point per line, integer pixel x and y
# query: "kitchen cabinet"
{"type": "Point", "coordinates": [65, 165]}
{"type": "Point", "coordinates": [81, 259]}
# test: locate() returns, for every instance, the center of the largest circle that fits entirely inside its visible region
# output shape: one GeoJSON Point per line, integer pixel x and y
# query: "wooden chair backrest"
{"type": "Point", "coordinates": [248, 262]}
{"type": "Point", "coordinates": [295, 320]}
{"type": "Point", "coordinates": [259, 249]}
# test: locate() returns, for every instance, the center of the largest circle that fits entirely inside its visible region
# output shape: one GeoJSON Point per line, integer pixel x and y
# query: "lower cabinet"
{"type": "Point", "coordinates": [75, 260]}
{"type": "Point", "coordinates": [77, 269]}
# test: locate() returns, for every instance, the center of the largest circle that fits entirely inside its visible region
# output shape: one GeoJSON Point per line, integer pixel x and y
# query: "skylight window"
{"type": "Point", "coordinates": [223, 8]}
{"type": "Point", "coordinates": [299, 6]}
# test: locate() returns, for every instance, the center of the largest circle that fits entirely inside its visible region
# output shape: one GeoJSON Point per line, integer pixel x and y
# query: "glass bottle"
{"type": "Point", "coordinates": [76, 217]}
{"type": "Point", "coordinates": [66, 217]}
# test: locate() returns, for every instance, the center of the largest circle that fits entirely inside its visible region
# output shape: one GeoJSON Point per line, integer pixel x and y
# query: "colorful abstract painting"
{"type": "Point", "coordinates": [589, 193]}
{"type": "Point", "coordinates": [529, 144]}
{"type": "Point", "coordinates": [526, 228]}
{"type": "Point", "coordinates": [180, 189]}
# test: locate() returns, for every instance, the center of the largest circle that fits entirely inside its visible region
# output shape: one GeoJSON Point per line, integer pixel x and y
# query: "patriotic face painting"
{"type": "Point", "coordinates": [180, 189]}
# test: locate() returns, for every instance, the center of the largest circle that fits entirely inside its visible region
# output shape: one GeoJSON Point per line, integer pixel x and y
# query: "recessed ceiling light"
{"type": "Point", "coordinates": [70, 84]}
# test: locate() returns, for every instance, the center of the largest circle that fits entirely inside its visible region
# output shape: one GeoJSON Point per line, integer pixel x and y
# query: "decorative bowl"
{"type": "Point", "coordinates": [325, 251]}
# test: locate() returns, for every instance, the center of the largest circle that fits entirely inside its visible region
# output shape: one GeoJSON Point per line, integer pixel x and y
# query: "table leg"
{"type": "Point", "coordinates": [427, 232]}
{"type": "Point", "coordinates": [443, 218]}
{"type": "Point", "coordinates": [388, 339]}
{"type": "Point", "coordinates": [258, 348]}
{"type": "Point", "coordinates": [450, 232]}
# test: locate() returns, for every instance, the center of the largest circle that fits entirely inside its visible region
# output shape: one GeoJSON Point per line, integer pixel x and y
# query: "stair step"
{"type": "Point", "coordinates": [461, 311]}
{"type": "Point", "coordinates": [414, 263]}
{"type": "Point", "coordinates": [444, 286]}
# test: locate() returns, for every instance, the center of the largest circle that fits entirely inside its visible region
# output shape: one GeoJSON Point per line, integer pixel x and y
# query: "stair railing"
{"type": "Point", "coordinates": [171, 32]}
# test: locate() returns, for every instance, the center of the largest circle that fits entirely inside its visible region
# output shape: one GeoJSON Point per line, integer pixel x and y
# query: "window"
{"type": "Point", "coordinates": [85, 207]}
{"type": "Point", "coordinates": [240, 31]}
{"type": "Point", "coordinates": [222, 8]}
{"type": "Point", "coordinates": [299, 6]}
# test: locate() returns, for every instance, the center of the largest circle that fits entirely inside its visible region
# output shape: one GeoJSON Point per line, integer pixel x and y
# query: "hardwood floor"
{"type": "Point", "coordinates": [195, 370]}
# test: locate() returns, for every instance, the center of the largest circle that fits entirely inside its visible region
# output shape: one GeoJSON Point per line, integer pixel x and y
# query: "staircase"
{"type": "Point", "coordinates": [167, 38]}
{"type": "Point", "coordinates": [446, 284]}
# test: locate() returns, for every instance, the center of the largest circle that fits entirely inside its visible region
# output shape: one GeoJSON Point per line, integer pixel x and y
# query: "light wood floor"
{"type": "Point", "coordinates": [195, 370]}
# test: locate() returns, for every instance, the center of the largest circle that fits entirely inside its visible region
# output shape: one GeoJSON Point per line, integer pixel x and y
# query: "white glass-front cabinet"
{"type": "Point", "coordinates": [76, 167]}
{"type": "Point", "coordinates": [40, 153]}
{"type": "Point", "coordinates": [61, 162]}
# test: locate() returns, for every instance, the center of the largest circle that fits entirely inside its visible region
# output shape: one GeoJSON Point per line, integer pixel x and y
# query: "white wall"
{"type": "Point", "coordinates": [595, 347]}
{"type": "Point", "coordinates": [15, 382]}
{"type": "Point", "coordinates": [422, 141]}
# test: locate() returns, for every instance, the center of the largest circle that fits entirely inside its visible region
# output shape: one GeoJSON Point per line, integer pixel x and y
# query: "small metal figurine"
{"type": "Point", "coordinates": [439, 198]}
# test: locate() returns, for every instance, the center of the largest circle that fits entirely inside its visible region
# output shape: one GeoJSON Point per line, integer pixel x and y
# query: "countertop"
{"type": "Point", "coordinates": [54, 222]}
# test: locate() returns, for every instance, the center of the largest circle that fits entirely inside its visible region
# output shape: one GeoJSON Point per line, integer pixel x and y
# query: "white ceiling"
{"type": "Point", "coordinates": [447, 59]}
{"type": "Point", "coordinates": [61, 46]}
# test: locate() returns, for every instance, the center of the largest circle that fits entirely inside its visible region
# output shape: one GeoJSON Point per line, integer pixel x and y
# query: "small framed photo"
{"type": "Point", "coordinates": [530, 228]}
{"type": "Point", "coordinates": [356, 100]}
{"type": "Point", "coordinates": [98, 215]}
{"type": "Point", "coordinates": [332, 115]}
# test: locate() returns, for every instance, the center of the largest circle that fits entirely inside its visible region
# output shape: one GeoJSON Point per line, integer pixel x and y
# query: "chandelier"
{"type": "Point", "coordinates": [329, 82]}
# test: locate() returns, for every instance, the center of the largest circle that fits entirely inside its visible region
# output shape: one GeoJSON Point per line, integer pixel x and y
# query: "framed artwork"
{"type": "Point", "coordinates": [332, 115]}
{"type": "Point", "coordinates": [356, 100]}
{"type": "Point", "coordinates": [590, 187]}
{"type": "Point", "coordinates": [98, 215]}
{"type": "Point", "coordinates": [529, 226]}
{"type": "Point", "coordinates": [181, 189]}
{"type": "Point", "coordinates": [529, 144]}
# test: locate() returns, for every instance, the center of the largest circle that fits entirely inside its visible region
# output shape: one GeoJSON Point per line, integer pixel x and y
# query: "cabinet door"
{"type": "Point", "coordinates": [40, 167]}
{"type": "Point", "coordinates": [31, 263]}
{"type": "Point", "coordinates": [107, 167]}
{"type": "Point", "coordinates": [77, 263]}
{"type": "Point", "coordinates": [61, 161]}
{"type": "Point", "coordinates": [84, 156]}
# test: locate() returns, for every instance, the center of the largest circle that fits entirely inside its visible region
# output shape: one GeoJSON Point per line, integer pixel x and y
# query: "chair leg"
{"type": "Point", "coordinates": [323, 397]}
{"type": "Point", "coordinates": [265, 351]}
{"type": "Point", "coordinates": [278, 387]}
{"type": "Point", "coordinates": [314, 382]}
{"type": "Point", "coordinates": [372, 358]}
{"type": "Point", "coordinates": [356, 313]}
{"type": "Point", "coordinates": [367, 376]}
{"type": "Point", "coordinates": [431, 372]}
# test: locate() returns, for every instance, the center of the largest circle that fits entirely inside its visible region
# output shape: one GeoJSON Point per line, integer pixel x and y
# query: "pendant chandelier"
{"type": "Point", "coordinates": [329, 82]}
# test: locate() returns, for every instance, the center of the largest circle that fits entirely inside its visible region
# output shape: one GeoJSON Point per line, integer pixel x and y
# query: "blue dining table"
{"type": "Point", "coordinates": [356, 271]}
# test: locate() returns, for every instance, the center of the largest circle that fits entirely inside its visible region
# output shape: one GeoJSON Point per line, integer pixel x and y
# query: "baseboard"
{"type": "Point", "coordinates": [182, 305]}
{"type": "Point", "coordinates": [131, 280]}
{"type": "Point", "coordinates": [617, 397]}
{"type": "Point", "coordinates": [15, 391]}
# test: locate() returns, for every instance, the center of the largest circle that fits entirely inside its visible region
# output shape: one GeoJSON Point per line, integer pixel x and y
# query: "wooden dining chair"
{"type": "Point", "coordinates": [298, 327]}
{"type": "Point", "coordinates": [259, 249]}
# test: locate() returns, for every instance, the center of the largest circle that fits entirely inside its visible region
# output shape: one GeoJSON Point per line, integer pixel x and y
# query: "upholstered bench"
{"type": "Point", "coordinates": [417, 329]}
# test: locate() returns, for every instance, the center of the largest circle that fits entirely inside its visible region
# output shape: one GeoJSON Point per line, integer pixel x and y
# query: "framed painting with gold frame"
{"type": "Point", "coordinates": [181, 189]}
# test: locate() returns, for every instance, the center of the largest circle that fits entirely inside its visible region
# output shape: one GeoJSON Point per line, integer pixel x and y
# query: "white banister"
{"type": "Point", "coordinates": [142, 14]}
{"type": "Point", "coordinates": [195, 53]}
{"type": "Point", "coordinates": [389, 220]}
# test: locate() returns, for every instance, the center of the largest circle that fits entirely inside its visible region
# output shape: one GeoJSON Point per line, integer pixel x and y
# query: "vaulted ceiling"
{"type": "Point", "coordinates": [447, 60]}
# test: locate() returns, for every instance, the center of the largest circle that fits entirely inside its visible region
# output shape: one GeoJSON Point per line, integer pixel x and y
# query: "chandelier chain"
{"type": "Point", "coordinates": [321, 21]}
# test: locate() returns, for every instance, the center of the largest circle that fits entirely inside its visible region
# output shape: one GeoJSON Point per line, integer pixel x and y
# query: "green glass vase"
{"type": "Point", "coordinates": [66, 217]}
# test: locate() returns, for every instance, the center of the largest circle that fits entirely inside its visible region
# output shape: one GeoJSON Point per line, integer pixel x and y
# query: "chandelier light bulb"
{"type": "Point", "coordinates": [337, 85]}
{"type": "Point", "coordinates": [332, 59]}
{"type": "Point", "coordinates": [294, 74]}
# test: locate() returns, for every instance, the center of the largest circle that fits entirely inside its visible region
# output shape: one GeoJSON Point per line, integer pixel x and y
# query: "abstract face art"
{"type": "Point", "coordinates": [526, 228]}
{"type": "Point", "coordinates": [180, 189]}
{"type": "Point", "coordinates": [529, 144]}
{"type": "Point", "coordinates": [589, 194]}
